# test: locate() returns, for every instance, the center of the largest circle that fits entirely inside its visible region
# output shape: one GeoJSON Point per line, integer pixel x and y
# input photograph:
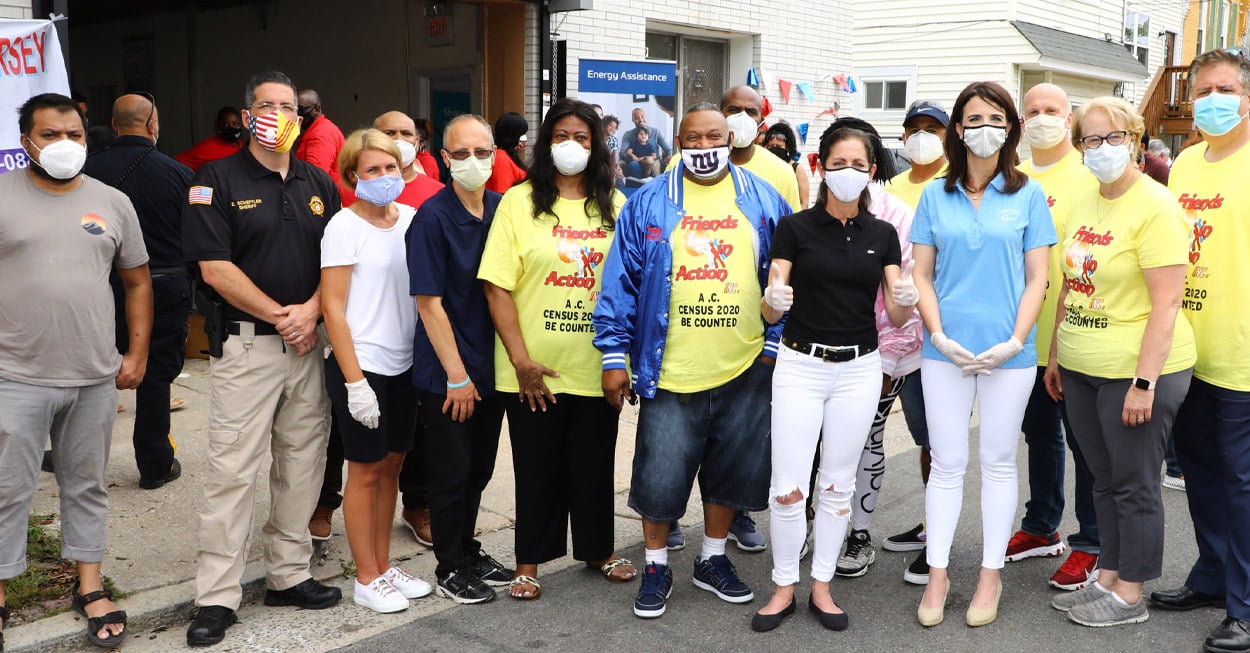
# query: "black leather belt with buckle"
{"type": "Point", "coordinates": [829, 353]}
{"type": "Point", "coordinates": [261, 328]}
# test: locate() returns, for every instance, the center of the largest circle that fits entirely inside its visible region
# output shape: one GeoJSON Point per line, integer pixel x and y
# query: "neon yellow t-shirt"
{"type": "Point", "coordinates": [715, 330]}
{"type": "Point", "coordinates": [552, 270]}
{"type": "Point", "coordinates": [770, 168]}
{"type": "Point", "coordinates": [902, 187]}
{"type": "Point", "coordinates": [1216, 200]}
{"type": "Point", "coordinates": [1064, 181]}
{"type": "Point", "coordinates": [1105, 246]}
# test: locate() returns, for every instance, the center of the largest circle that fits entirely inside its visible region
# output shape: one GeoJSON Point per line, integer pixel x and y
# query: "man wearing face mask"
{"type": "Point", "coordinates": [227, 140]}
{"type": "Point", "coordinates": [663, 149]}
{"type": "Point", "coordinates": [681, 297]}
{"type": "Point", "coordinates": [61, 234]}
{"type": "Point", "coordinates": [253, 223]}
{"type": "Point", "coordinates": [156, 185]}
{"type": "Point", "coordinates": [320, 140]}
{"type": "Point", "coordinates": [743, 109]}
{"type": "Point", "coordinates": [1212, 429]}
{"type": "Point", "coordinates": [1057, 166]}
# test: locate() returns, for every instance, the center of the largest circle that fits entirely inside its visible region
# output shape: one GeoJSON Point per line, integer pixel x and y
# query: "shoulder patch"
{"type": "Point", "coordinates": [200, 195]}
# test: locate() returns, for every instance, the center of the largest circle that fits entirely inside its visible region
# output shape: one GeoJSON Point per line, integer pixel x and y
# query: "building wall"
{"type": "Point", "coordinates": [15, 9]}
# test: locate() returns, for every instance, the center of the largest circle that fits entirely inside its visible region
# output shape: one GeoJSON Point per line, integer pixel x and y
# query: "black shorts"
{"type": "Point", "coordinates": [397, 426]}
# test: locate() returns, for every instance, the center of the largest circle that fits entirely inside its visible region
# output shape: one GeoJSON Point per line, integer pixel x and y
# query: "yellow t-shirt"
{"type": "Point", "coordinates": [902, 187]}
{"type": "Point", "coordinates": [552, 269]}
{"type": "Point", "coordinates": [770, 168]}
{"type": "Point", "coordinates": [1064, 181]}
{"type": "Point", "coordinates": [1216, 200]}
{"type": "Point", "coordinates": [1106, 245]}
{"type": "Point", "coordinates": [715, 330]}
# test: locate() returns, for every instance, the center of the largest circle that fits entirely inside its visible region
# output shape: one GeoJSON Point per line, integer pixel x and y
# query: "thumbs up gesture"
{"type": "Point", "coordinates": [778, 295]}
{"type": "Point", "coordinates": [904, 291]}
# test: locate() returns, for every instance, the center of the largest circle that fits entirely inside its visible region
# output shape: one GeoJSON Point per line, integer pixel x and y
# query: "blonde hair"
{"type": "Point", "coordinates": [1119, 111]}
{"type": "Point", "coordinates": [356, 143]}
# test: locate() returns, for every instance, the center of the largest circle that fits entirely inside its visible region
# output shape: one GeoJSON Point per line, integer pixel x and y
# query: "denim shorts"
{"type": "Point", "coordinates": [722, 435]}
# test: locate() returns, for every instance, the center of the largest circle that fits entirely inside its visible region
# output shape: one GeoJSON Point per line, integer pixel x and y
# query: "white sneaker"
{"type": "Point", "coordinates": [379, 596]}
{"type": "Point", "coordinates": [408, 585]}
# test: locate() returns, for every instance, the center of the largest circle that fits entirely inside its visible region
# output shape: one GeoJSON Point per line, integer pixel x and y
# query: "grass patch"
{"type": "Point", "coordinates": [44, 588]}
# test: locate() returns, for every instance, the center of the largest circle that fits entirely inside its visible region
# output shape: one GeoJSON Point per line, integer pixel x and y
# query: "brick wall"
{"type": "Point", "coordinates": [15, 8]}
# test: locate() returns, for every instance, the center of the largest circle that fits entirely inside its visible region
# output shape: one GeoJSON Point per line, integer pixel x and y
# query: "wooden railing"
{"type": "Point", "coordinates": [1166, 107]}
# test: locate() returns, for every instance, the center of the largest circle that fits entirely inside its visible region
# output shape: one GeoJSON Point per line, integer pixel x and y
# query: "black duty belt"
{"type": "Point", "coordinates": [168, 272]}
{"type": "Point", "coordinates": [829, 353]}
{"type": "Point", "coordinates": [262, 328]}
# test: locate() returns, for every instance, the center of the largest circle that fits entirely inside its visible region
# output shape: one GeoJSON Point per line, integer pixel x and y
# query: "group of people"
{"type": "Point", "coordinates": [1070, 297]}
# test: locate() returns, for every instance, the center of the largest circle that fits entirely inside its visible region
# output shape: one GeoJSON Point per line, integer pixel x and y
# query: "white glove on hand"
{"type": "Point", "coordinates": [362, 403]}
{"type": "Point", "coordinates": [779, 296]}
{"type": "Point", "coordinates": [952, 350]}
{"type": "Point", "coordinates": [995, 356]}
{"type": "Point", "coordinates": [905, 292]}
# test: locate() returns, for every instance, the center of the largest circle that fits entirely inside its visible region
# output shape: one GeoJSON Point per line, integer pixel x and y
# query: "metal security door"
{"type": "Point", "coordinates": [703, 65]}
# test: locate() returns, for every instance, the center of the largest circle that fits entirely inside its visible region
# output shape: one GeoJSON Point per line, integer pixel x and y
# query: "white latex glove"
{"type": "Point", "coordinates": [994, 356]}
{"type": "Point", "coordinates": [905, 292]}
{"type": "Point", "coordinates": [363, 404]}
{"type": "Point", "coordinates": [952, 350]}
{"type": "Point", "coordinates": [779, 296]}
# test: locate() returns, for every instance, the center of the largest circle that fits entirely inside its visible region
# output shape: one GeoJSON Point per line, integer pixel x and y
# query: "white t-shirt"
{"type": "Point", "coordinates": [380, 314]}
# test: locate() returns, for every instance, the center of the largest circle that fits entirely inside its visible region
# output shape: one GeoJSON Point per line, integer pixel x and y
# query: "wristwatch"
{"type": "Point", "coordinates": [1143, 384]}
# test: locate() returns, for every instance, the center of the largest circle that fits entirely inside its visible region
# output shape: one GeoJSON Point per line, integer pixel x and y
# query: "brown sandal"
{"type": "Point", "coordinates": [610, 566]}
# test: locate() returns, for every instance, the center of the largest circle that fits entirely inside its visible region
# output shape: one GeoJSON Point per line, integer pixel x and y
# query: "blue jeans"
{"type": "Point", "coordinates": [1045, 424]}
{"type": "Point", "coordinates": [912, 396]}
{"type": "Point", "coordinates": [1170, 459]}
{"type": "Point", "coordinates": [1212, 435]}
{"type": "Point", "coordinates": [722, 435]}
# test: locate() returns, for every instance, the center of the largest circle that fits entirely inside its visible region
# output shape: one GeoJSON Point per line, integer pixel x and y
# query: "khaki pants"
{"type": "Point", "coordinates": [264, 396]}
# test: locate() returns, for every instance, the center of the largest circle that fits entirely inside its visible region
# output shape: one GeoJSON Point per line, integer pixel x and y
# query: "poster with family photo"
{"type": "Point", "coordinates": [637, 101]}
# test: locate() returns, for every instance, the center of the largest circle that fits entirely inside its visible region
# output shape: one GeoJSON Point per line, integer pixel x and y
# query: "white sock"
{"type": "Point", "coordinates": [1120, 600]}
{"type": "Point", "coordinates": [1101, 588]}
{"type": "Point", "coordinates": [713, 547]}
{"type": "Point", "coordinates": [657, 556]}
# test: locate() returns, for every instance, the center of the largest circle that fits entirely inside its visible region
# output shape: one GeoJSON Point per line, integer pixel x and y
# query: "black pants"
{"type": "Point", "coordinates": [171, 303]}
{"type": "Point", "coordinates": [563, 460]}
{"type": "Point", "coordinates": [411, 475]}
{"type": "Point", "coordinates": [460, 459]}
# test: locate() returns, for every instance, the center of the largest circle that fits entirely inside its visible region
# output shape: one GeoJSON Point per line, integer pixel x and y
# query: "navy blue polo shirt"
{"type": "Point", "coordinates": [445, 244]}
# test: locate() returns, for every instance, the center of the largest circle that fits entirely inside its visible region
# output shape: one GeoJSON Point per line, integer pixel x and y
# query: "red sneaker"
{"type": "Point", "coordinates": [1025, 545]}
{"type": "Point", "coordinates": [1079, 570]}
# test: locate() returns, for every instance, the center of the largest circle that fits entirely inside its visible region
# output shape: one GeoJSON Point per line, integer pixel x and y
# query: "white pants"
{"type": "Point", "coordinates": [948, 397]}
{"type": "Point", "coordinates": [815, 400]}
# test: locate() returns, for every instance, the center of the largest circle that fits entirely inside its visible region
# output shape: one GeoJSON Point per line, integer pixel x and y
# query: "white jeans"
{"type": "Point", "coordinates": [948, 397]}
{"type": "Point", "coordinates": [812, 400]}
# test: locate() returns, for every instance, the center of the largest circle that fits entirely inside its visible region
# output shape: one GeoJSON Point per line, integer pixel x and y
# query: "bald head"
{"type": "Point", "coordinates": [742, 98]}
{"type": "Point", "coordinates": [309, 104]}
{"type": "Point", "coordinates": [397, 125]}
{"type": "Point", "coordinates": [135, 115]}
{"type": "Point", "coordinates": [1046, 98]}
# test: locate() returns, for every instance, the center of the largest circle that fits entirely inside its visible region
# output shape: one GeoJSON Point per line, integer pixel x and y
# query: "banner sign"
{"type": "Point", "coordinates": [30, 64]}
{"type": "Point", "coordinates": [634, 96]}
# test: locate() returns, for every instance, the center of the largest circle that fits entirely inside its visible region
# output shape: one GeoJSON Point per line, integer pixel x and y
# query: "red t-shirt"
{"type": "Point", "coordinates": [504, 173]}
{"type": "Point", "coordinates": [210, 149]}
{"type": "Point", "coordinates": [319, 144]}
{"type": "Point", "coordinates": [428, 163]}
{"type": "Point", "coordinates": [416, 192]}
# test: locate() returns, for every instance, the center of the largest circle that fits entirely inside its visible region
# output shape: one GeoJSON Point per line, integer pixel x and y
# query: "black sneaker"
{"type": "Point", "coordinates": [859, 554]}
{"type": "Point", "coordinates": [912, 540]}
{"type": "Point", "coordinates": [175, 472]}
{"type": "Point", "coordinates": [653, 591]}
{"type": "Point", "coordinates": [464, 587]}
{"type": "Point", "coordinates": [918, 571]}
{"type": "Point", "coordinates": [490, 571]}
{"type": "Point", "coordinates": [718, 576]}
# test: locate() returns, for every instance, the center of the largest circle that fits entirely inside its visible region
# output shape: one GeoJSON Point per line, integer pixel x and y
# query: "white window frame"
{"type": "Point", "coordinates": [883, 74]}
{"type": "Point", "coordinates": [1137, 35]}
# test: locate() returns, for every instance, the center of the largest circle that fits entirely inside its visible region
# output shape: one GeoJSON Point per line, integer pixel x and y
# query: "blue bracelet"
{"type": "Point", "coordinates": [454, 386]}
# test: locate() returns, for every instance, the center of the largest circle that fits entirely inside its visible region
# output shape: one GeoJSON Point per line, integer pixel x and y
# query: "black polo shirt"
{"type": "Point", "coordinates": [836, 273]}
{"type": "Point", "coordinates": [157, 186]}
{"type": "Point", "coordinates": [240, 211]}
{"type": "Point", "coordinates": [445, 245]}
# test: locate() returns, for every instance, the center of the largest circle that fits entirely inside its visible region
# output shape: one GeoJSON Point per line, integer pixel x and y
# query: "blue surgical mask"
{"type": "Point", "coordinates": [1218, 113]}
{"type": "Point", "coordinates": [380, 190]}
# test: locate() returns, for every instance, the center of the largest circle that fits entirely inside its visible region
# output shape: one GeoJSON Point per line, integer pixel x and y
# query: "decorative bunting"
{"type": "Point", "coordinates": [785, 90]}
{"type": "Point", "coordinates": [767, 108]}
{"type": "Point", "coordinates": [813, 161]}
{"type": "Point", "coordinates": [753, 80]}
{"type": "Point", "coordinates": [831, 111]}
{"type": "Point", "coordinates": [805, 90]}
{"type": "Point", "coordinates": [803, 133]}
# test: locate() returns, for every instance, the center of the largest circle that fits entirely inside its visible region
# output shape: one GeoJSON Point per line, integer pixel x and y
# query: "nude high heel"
{"type": "Point", "coordinates": [930, 617]}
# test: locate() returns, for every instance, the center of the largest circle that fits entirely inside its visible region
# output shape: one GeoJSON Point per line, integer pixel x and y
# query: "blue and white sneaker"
{"type": "Point", "coordinates": [718, 576]}
{"type": "Point", "coordinates": [743, 532]}
{"type": "Point", "coordinates": [654, 590]}
{"type": "Point", "coordinates": [676, 538]}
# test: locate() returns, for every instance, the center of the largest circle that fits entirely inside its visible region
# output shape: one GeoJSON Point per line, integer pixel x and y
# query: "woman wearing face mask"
{"type": "Point", "coordinates": [781, 141]}
{"type": "Point", "coordinates": [510, 131]}
{"type": "Point", "coordinates": [981, 241]}
{"type": "Point", "coordinates": [829, 262]}
{"type": "Point", "coordinates": [541, 269]}
{"type": "Point", "coordinates": [370, 319]}
{"type": "Point", "coordinates": [1123, 354]}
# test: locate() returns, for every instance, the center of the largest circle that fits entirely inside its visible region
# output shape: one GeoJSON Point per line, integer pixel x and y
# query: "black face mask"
{"type": "Point", "coordinates": [230, 134]}
{"type": "Point", "coordinates": [307, 116]}
{"type": "Point", "coordinates": [780, 152]}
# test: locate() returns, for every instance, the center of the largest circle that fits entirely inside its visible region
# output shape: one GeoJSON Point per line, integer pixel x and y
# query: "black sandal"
{"type": "Point", "coordinates": [4, 622]}
{"type": "Point", "coordinates": [79, 603]}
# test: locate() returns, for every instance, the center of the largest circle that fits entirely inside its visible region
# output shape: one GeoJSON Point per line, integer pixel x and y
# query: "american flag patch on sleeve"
{"type": "Point", "coordinates": [200, 195]}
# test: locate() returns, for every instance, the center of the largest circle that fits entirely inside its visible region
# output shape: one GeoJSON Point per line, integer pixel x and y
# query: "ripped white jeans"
{"type": "Point", "coordinates": [817, 402]}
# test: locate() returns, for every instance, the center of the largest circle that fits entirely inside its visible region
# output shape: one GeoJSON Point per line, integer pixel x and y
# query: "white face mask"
{"type": "Point", "coordinates": [923, 148]}
{"type": "Point", "coordinates": [744, 129]}
{"type": "Point", "coordinates": [1108, 162]}
{"type": "Point", "coordinates": [985, 140]}
{"type": "Point", "coordinates": [472, 173]}
{"type": "Point", "coordinates": [847, 183]}
{"type": "Point", "coordinates": [706, 164]}
{"type": "Point", "coordinates": [407, 152]}
{"type": "Point", "coordinates": [62, 159]}
{"type": "Point", "coordinates": [570, 157]}
{"type": "Point", "coordinates": [1045, 131]}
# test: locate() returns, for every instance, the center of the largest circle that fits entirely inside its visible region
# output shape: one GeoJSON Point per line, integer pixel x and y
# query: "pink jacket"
{"type": "Point", "coordinates": [899, 346]}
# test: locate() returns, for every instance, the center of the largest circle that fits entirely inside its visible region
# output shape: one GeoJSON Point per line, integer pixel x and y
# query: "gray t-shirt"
{"type": "Point", "coordinates": [56, 253]}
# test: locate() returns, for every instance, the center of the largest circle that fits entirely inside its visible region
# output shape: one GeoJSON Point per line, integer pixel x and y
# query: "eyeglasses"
{"type": "Point", "coordinates": [480, 153]}
{"type": "Point", "coordinates": [1113, 138]}
{"type": "Point", "coordinates": [268, 107]}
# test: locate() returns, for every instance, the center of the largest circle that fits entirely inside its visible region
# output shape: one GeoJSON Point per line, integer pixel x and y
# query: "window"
{"type": "Point", "coordinates": [1137, 35]}
{"type": "Point", "coordinates": [885, 91]}
{"type": "Point", "coordinates": [885, 95]}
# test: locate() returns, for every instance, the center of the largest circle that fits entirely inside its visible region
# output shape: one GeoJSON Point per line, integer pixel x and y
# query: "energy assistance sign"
{"type": "Point", "coordinates": [30, 64]}
{"type": "Point", "coordinates": [632, 77]}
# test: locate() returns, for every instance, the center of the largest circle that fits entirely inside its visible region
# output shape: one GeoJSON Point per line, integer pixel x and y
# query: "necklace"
{"type": "Point", "coordinates": [973, 194]}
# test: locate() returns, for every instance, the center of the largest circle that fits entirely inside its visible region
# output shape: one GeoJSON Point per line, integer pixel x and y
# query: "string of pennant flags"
{"type": "Point", "coordinates": [806, 93]}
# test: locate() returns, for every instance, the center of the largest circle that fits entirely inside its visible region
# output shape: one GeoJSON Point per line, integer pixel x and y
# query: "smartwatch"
{"type": "Point", "coordinates": [1143, 384]}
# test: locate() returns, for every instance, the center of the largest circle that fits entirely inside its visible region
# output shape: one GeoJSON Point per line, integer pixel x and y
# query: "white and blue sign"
{"type": "Point", "coordinates": [636, 97]}
{"type": "Point", "coordinates": [632, 77]}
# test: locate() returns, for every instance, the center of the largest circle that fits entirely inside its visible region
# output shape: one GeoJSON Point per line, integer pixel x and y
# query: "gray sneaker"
{"type": "Point", "coordinates": [1068, 600]}
{"type": "Point", "coordinates": [858, 555]}
{"type": "Point", "coordinates": [1107, 611]}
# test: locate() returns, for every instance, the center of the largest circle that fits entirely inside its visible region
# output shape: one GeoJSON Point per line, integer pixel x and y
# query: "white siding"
{"type": "Point", "coordinates": [15, 9]}
{"type": "Point", "coordinates": [1092, 18]}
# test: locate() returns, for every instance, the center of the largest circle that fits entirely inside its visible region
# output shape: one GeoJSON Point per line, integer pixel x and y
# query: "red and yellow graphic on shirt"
{"type": "Point", "coordinates": [93, 224]}
{"type": "Point", "coordinates": [572, 246]}
{"type": "Point", "coordinates": [715, 330]}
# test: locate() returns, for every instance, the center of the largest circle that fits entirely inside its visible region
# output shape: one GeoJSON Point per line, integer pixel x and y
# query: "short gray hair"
{"type": "Point", "coordinates": [1156, 146]}
{"type": "Point", "coordinates": [468, 116]}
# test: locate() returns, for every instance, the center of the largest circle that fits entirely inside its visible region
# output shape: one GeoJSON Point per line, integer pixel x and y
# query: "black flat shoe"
{"type": "Point", "coordinates": [175, 471]}
{"type": "Point", "coordinates": [1184, 598]}
{"type": "Point", "coordinates": [830, 620]}
{"type": "Point", "coordinates": [1233, 636]}
{"type": "Point", "coordinates": [762, 623]}
{"type": "Point", "coordinates": [309, 595]}
{"type": "Point", "coordinates": [210, 624]}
